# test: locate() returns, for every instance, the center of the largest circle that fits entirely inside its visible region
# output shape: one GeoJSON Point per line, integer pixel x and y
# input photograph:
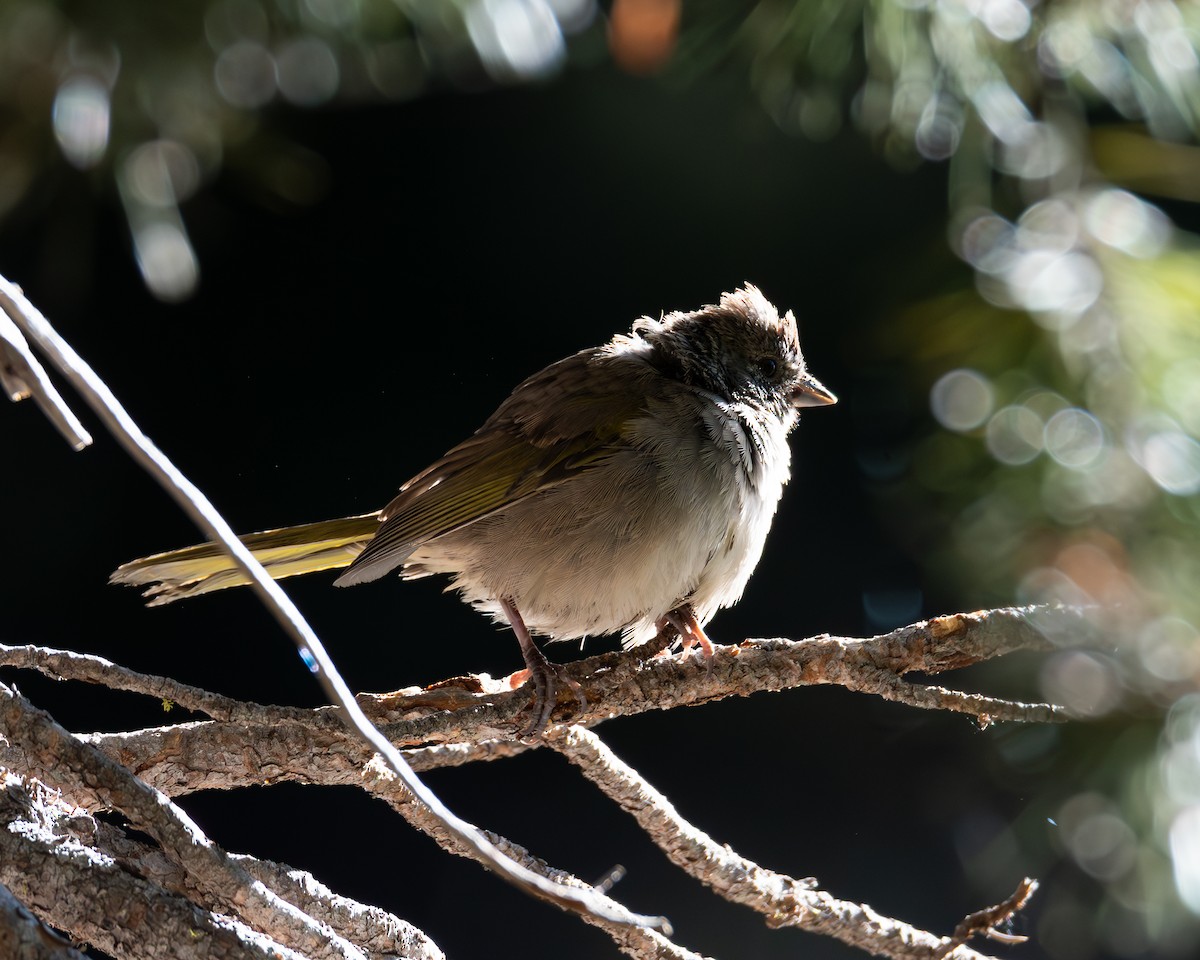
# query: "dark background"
{"type": "Point", "coordinates": [454, 246]}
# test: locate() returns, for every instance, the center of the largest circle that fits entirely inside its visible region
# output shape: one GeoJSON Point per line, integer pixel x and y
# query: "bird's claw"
{"type": "Point", "coordinates": [544, 680]}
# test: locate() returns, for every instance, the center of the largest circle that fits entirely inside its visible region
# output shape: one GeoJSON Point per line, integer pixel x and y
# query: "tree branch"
{"type": "Point", "coordinates": [23, 935]}
{"type": "Point", "coordinates": [371, 929]}
{"type": "Point", "coordinates": [784, 901]}
{"type": "Point", "coordinates": [641, 943]}
{"type": "Point", "coordinates": [89, 668]}
{"type": "Point", "coordinates": [60, 759]}
{"type": "Point", "coordinates": [77, 888]}
{"type": "Point", "coordinates": [21, 376]}
{"type": "Point", "coordinates": [268, 744]}
{"type": "Point", "coordinates": [985, 922]}
{"type": "Point", "coordinates": [460, 721]}
{"type": "Point", "coordinates": [48, 752]}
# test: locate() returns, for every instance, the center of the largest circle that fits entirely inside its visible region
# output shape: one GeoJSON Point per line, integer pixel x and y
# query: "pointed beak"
{"type": "Point", "coordinates": [810, 392]}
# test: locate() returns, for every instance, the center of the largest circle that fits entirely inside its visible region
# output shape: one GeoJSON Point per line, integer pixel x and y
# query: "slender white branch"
{"type": "Point", "coordinates": [21, 377]}
{"type": "Point", "coordinates": [189, 497]}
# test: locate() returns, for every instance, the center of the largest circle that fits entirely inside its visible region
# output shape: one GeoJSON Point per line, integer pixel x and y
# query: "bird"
{"type": "Point", "coordinates": [628, 488]}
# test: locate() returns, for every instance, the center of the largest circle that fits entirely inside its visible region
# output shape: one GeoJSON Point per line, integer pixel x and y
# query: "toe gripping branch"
{"type": "Point", "coordinates": [544, 676]}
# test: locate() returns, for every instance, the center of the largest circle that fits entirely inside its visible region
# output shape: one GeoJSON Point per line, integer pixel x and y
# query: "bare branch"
{"type": "Point", "coordinates": [986, 710]}
{"type": "Point", "coordinates": [369, 928]}
{"type": "Point", "coordinates": [271, 744]}
{"type": "Point", "coordinates": [88, 668]}
{"type": "Point", "coordinates": [986, 922]}
{"type": "Point", "coordinates": [623, 684]}
{"type": "Point", "coordinates": [784, 901]}
{"type": "Point", "coordinates": [60, 759]}
{"type": "Point", "coordinates": [110, 784]}
{"type": "Point", "coordinates": [640, 943]}
{"type": "Point", "coordinates": [284, 743]}
{"type": "Point", "coordinates": [376, 931]}
{"type": "Point", "coordinates": [23, 935]}
{"type": "Point", "coordinates": [373, 930]}
{"type": "Point", "coordinates": [74, 886]}
{"type": "Point", "coordinates": [457, 724]}
{"type": "Point", "coordinates": [21, 376]}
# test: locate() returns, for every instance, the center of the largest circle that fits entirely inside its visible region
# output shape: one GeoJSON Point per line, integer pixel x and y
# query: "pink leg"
{"type": "Point", "coordinates": [691, 633]}
{"type": "Point", "coordinates": [543, 674]}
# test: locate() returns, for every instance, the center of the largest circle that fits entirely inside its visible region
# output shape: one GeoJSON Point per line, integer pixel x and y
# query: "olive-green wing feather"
{"type": "Point", "coordinates": [557, 424]}
{"type": "Point", "coordinates": [285, 552]}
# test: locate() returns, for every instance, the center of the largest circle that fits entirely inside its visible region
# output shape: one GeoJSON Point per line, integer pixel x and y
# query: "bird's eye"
{"type": "Point", "coordinates": [768, 366]}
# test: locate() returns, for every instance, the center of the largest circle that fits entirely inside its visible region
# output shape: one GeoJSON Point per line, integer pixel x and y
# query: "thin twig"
{"type": "Point", "coordinates": [986, 922]}
{"type": "Point", "coordinates": [985, 710]}
{"type": "Point", "coordinates": [21, 377]}
{"type": "Point", "coordinates": [89, 668]}
{"type": "Point", "coordinates": [637, 942]}
{"type": "Point", "coordinates": [189, 497]}
{"type": "Point", "coordinates": [783, 900]}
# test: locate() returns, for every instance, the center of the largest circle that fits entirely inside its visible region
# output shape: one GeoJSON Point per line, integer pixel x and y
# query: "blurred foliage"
{"type": "Point", "coordinates": [1061, 461]}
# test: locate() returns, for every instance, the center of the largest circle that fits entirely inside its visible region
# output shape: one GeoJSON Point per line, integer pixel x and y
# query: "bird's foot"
{"type": "Point", "coordinates": [691, 634]}
{"type": "Point", "coordinates": [543, 675]}
{"type": "Point", "coordinates": [545, 680]}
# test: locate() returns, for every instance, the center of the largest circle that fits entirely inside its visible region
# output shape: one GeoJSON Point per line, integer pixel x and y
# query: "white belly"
{"type": "Point", "coordinates": [679, 518]}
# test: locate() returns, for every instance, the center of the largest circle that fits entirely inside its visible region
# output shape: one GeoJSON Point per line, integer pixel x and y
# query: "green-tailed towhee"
{"type": "Point", "coordinates": [628, 488]}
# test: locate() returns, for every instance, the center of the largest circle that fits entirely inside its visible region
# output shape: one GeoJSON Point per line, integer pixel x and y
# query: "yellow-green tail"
{"type": "Point", "coordinates": [286, 552]}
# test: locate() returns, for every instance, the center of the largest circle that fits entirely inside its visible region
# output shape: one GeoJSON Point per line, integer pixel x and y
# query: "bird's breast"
{"type": "Point", "coordinates": [678, 513]}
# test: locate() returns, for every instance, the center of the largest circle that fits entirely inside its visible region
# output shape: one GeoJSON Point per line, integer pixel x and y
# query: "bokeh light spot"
{"type": "Point", "coordinates": [1081, 681]}
{"type": "Point", "coordinates": [81, 120]}
{"type": "Point", "coordinates": [1103, 845]}
{"type": "Point", "coordinates": [573, 15]}
{"type": "Point", "coordinates": [1014, 435]}
{"type": "Point", "coordinates": [1035, 151]}
{"type": "Point", "coordinates": [167, 260]}
{"type": "Point", "coordinates": [1055, 287]}
{"type": "Point", "coordinates": [642, 33]}
{"type": "Point", "coordinates": [1006, 20]}
{"type": "Point", "coordinates": [940, 128]}
{"type": "Point", "coordinates": [1074, 438]}
{"type": "Point", "coordinates": [307, 71]}
{"type": "Point", "coordinates": [1002, 111]}
{"type": "Point", "coordinates": [516, 39]}
{"type": "Point", "coordinates": [1185, 855]}
{"type": "Point", "coordinates": [1122, 221]}
{"type": "Point", "coordinates": [1063, 46]}
{"type": "Point", "coordinates": [988, 243]}
{"type": "Point", "coordinates": [245, 74]}
{"type": "Point", "coordinates": [961, 400]}
{"type": "Point", "coordinates": [1049, 225]}
{"type": "Point", "coordinates": [1172, 459]}
{"type": "Point", "coordinates": [162, 174]}
{"type": "Point", "coordinates": [1170, 649]}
